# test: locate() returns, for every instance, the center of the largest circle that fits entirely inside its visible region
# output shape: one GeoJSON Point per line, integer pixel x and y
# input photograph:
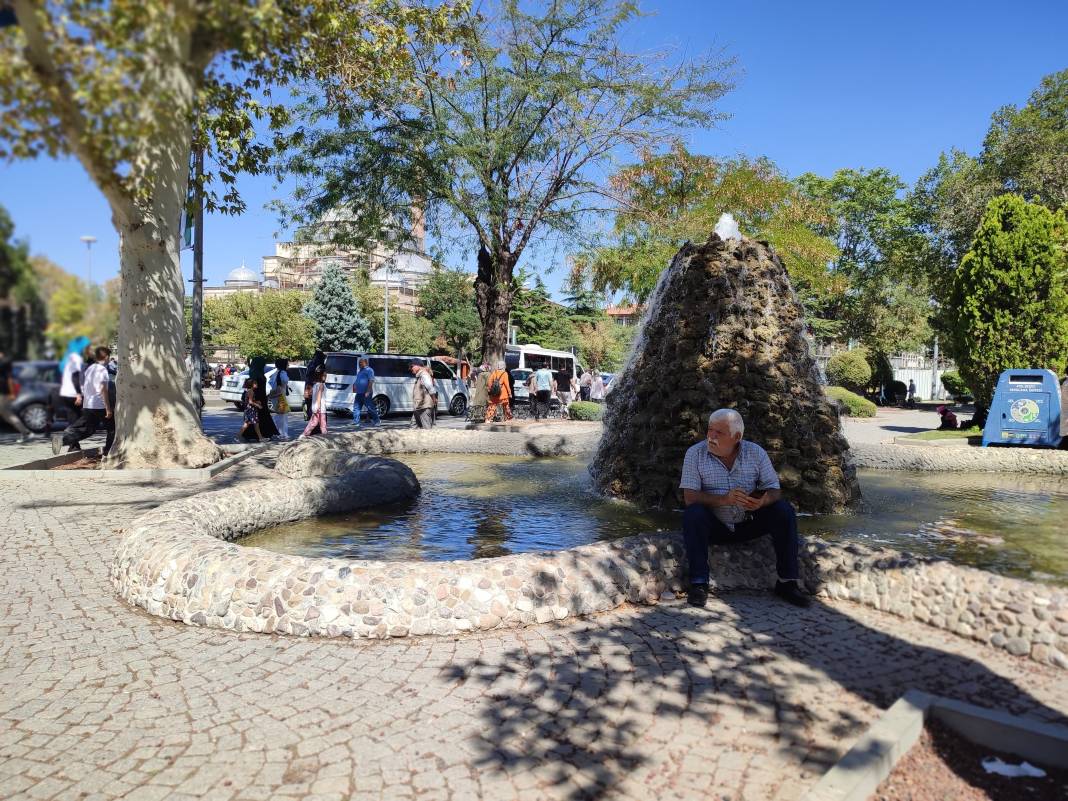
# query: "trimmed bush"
{"type": "Point", "coordinates": [849, 369]}
{"type": "Point", "coordinates": [850, 403]}
{"type": "Point", "coordinates": [1008, 305]}
{"type": "Point", "coordinates": [954, 384]}
{"type": "Point", "coordinates": [585, 410]}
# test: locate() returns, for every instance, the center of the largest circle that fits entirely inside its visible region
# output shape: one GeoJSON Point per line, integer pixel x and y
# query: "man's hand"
{"type": "Point", "coordinates": [737, 497]}
{"type": "Point", "coordinates": [77, 400]}
{"type": "Point", "coordinates": [107, 414]}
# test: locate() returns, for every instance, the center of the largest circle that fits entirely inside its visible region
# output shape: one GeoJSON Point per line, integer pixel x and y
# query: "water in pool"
{"type": "Point", "coordinates": [475, 506]}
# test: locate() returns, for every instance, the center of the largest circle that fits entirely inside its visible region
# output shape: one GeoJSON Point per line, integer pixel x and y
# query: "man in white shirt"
{"type": "Point", "coordinates": [96, 405]}
{"type": "Point", "coordinates": [69, 398]}
{"type": "Point", "coordinates": [732, 495]}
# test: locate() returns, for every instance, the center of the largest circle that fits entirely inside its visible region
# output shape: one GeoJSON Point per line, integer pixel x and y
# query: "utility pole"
{"type": "Point", "coordinates": [385, 328]}
{"type": "Point", "coordinates": [197, 355]}
{"type": "Point", "coordinates": [89, 240]}
{"type": "Point", "coordinates": [934, 370]}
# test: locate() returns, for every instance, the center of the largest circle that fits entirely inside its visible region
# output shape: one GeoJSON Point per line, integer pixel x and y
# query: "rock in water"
{"type": "Point", "coordinates": [723, 329]}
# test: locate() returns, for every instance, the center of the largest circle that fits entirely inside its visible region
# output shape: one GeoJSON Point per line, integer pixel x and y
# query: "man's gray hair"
{"type": "Point", "coordinates": [734, 420]}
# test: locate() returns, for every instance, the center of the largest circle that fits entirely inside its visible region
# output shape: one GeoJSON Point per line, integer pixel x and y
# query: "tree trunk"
{"type": "Point", "coordinates": [494, 290]}
{"type": "Point", "coordinates": [156, 423]}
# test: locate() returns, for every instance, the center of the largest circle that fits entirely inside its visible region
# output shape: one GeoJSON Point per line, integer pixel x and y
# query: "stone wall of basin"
{"type": "Point", "coordinates": [180, 561]}
{"type": "Point", "coordinates": [325, 455]}
{"type": "Point", "coordinates": [961, 459]}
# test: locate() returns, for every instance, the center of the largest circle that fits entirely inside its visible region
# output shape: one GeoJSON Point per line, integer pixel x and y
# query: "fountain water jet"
{"type": "Point", "coordinates": [724, 328]}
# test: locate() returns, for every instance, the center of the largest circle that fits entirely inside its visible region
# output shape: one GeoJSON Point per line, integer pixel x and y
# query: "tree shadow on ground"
{"type": "Point", "coordinates": [645, 688]}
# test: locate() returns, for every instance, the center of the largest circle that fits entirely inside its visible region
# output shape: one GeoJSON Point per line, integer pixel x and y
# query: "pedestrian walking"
{"type": "Point", "coordinates": [97, 408]}
{"type": "Point", "coordinates": [317, 420]}
{"type": "Point", "coordinates": [256, 372]}
{"type": "Point", "coordinates": [279, 399]}
{"type": "Point", "coordinates": [597, 388]}
{"type": "Point", "coordinates": [317, 361]}
{"type": "Point", "coordinates": [424, 396]}
{"type": "Point", "coordinates": [499, 393]}
{"type": "Point", "coordinates": [70, 383]}
{"type": "Point", "coordinates": [7, 397]}
{"type": "Point", "coordinates": [251, 419]}
{"type": "Point", "coordinates": [911, 400]}
{"type": "Point", "coordinates": [563, 380]}
{"type": "Point", "coordinates": [364, 388]}
{"type": "Point", "coordinates": [542, 386]}
{"type": "Point", "coordinates": [585, 385]}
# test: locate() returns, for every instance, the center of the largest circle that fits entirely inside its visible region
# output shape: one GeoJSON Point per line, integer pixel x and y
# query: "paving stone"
{"type": "Point", "coordinates": [618, 701]}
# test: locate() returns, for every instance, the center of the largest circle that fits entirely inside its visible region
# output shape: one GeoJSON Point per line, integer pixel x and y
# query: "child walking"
{"type": "Point", "coordinates": [317, 420]}
{"type": "Point", "coordinates": [252, 410]}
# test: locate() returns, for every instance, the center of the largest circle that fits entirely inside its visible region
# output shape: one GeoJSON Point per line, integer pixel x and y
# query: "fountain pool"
{"type": "Point", "coordinates": [474, 506]}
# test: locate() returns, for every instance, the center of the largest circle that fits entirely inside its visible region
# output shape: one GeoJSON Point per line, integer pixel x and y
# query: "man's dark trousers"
{"type": "Point", "coordinates": [86, 426]}
{"type": "Point", "coordinates": [701, 528]}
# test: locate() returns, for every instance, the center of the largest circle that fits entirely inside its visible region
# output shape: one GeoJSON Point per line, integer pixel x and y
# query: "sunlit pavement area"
{"type": "Point", "coordinates": [746, 699]}
{"type": "Point", "coordinates": [221, 422]}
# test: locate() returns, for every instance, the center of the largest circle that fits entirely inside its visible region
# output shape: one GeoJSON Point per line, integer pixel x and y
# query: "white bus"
{"type": "Point", "coordinates": [531, 357]}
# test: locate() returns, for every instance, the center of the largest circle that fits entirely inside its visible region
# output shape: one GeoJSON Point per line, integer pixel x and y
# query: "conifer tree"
{"type": "Point", "coordinates": [338, 324]}
{"type": "Point", "coordinates": [1009, 303]}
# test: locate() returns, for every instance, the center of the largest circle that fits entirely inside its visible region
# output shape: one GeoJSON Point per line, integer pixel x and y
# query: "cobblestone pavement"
{"type": "Point", "coordinates": [221, 422]}
{"type": "Point", "coordinates": [747, 699]}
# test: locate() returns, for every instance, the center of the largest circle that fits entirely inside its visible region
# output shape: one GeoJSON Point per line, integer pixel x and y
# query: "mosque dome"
{"type": "Point", "coordinates": [242, 276]}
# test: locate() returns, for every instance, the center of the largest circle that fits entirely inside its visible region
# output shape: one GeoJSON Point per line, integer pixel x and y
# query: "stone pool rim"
{"type": "Point", "coordinates": [178, 561]}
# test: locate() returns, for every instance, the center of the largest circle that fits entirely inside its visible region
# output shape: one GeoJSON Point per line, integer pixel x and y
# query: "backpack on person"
{"type": "Point", "coordinates": [495, 386]}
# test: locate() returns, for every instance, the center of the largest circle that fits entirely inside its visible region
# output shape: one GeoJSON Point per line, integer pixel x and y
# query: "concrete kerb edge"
{"type": "Point", "coordinates": [857, 775]}
{"type": "Point", "coordinates": [1027, 461]}
{"type": "Point", "coordinates": [46, 467]}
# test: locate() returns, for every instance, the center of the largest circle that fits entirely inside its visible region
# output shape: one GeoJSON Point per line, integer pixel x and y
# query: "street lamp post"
{"type": "Point", "coordinates": [89, 240]}
{"type": "Point", "coordinates": [385, 328]}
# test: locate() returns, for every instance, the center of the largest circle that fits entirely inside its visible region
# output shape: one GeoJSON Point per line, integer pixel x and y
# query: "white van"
{"type": "Point", "coordinates": [393, 381]}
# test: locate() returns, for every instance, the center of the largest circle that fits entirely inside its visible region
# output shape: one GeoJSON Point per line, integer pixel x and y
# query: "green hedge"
{"type": "Point", "coordinates": [849, 369]}
{"type": "Point", "coordinates": [954, 384]}
{"type": "Point", "coordinates": [851, 404]}
{"type": "Point", "coordinates": [585, 410]}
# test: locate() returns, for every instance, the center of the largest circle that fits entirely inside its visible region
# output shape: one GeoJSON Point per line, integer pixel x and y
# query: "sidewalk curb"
{"type": "Point", "coordinates": [39, 468]}
{"type": "Point", "coordinates": [857, 775]}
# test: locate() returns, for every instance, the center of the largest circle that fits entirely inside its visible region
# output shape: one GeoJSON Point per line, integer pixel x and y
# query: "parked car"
{"type": "Point", "coordinates": [233, 388]}
{"type": "Point", "coordinates": [392, 384]}
{"type": "Point", "coordinates": [36, 382]}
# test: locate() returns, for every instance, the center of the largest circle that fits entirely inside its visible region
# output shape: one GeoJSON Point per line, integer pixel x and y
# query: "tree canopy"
{"type": "Point", "coordinates": [129, 90]}
{"type": "Point", "coordinates": [499, 142]}
{"type": "Point", "coordinates": [1025, 152]}
{"type": "Point", "coordinates": [672, 197]}
{"type": "Point", "coordinates": [1009, 298]}
{"type": "Point", "coordinates": [887, 302]}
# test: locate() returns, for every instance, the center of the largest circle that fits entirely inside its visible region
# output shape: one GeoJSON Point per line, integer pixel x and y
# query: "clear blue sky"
{"type": "Point", "coordinates": [822, 85]}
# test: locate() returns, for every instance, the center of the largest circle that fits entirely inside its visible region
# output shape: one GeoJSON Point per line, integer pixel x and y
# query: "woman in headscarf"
{"type": "Point", "coordinates": [267, 426]}
{"type": "Point", "coordinates": [69, 395]}
{"type": "Point", "coordinates": [317, 361]}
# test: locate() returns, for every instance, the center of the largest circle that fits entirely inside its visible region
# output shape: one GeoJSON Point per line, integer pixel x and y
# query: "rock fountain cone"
{"type": "Point", "coordinates": [723, 328]}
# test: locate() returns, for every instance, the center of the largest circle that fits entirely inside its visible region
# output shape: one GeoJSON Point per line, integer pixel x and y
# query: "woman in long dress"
{"type": "Point", "coordinates": [267, 426]}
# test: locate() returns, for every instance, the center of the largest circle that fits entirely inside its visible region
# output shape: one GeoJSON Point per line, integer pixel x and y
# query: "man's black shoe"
{"type": "Point", "coordinates": [698, 594]}
{"type": "Point", "coordinates": [791, 591]}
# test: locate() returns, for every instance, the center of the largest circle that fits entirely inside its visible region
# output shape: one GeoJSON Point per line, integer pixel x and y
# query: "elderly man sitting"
{"type": "Point", "coordinates": [732, 495]}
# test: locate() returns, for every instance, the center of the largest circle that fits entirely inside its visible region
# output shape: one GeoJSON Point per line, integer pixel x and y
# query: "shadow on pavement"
{"type": "Point", "coordinates": [747, 670]}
